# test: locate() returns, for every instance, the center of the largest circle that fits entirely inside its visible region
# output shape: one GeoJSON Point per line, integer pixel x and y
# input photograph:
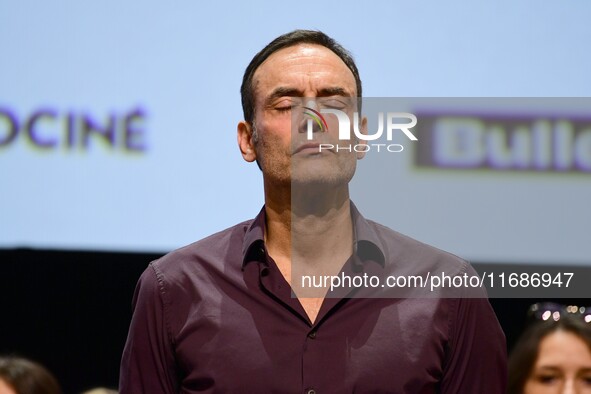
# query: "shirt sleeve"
{"type": "Point", "coordinates": [148, 363]}
{"type": "Point", "coordinates": [477, 352]}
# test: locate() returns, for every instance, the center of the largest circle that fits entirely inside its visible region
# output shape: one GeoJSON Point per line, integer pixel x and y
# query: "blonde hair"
{"type": "Point", "coordinates": [100, 390]}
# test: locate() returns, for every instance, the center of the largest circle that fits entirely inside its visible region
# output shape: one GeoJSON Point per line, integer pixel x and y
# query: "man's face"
{"type": "Point", "coordinates": [285, 82]}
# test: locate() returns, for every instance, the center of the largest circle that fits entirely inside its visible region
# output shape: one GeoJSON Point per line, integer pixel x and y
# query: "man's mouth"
{"type": "Point", "coordinates": [309, 147]}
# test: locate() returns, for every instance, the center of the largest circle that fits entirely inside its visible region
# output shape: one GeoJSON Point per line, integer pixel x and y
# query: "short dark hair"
{"type": "Point", "coordinates": [284, 41]}
{"type": "Point", "coordinates": [525, 352]}
{"type": "Point", "coordinates": [26, 376]}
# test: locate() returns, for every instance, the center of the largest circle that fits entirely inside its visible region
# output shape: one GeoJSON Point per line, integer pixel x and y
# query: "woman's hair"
{"type": "Point", "coordinates": [525, 352]}
{"type": "Point", "coordinates": [27, 377]}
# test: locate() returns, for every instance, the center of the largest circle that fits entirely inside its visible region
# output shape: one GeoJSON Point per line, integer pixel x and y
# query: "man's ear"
{"type": "Point", "coordinates": [245, 142]}
{"type": "Point", "coordinates": [363, 130]}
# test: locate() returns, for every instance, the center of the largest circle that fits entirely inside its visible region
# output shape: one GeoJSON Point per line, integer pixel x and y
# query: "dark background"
{"type": "Point", "coordinates": [71, 310]}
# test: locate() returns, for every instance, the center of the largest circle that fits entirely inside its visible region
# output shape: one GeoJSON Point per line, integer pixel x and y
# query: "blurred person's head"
{"type": "Point", "coordinates": [553, 355]}
{"type": "Point", "coordinates": [100, 390]}
{"type": "Point", "coordinates": [22, 376]}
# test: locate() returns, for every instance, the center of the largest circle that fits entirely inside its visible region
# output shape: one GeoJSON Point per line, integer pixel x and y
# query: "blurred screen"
{"type": "Point", "coordinates": [118, 122]}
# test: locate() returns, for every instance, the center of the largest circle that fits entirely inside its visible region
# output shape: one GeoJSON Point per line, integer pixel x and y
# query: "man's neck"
{"type": "Point", "coordinates": [310, 232]}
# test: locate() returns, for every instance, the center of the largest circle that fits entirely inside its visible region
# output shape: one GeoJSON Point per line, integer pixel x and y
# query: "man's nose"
{"type": "Point", "coordinates": [309, 120]}
{"type": "Point", "coordinates": [308, 125]}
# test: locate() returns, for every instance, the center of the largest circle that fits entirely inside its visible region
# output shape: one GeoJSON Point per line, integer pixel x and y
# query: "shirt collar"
{"type": "Point", "coordinates": [253, 246]}
{"type": "Point", "coordinates": [367, 244]}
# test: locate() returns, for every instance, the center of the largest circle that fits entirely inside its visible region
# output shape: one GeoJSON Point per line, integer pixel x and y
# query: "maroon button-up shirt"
{"type": "Point", "coordinates": [217, 316]}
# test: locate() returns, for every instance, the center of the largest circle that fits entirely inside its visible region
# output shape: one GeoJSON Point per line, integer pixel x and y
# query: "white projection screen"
{"type": "Point", "coordinates": [118, 122]}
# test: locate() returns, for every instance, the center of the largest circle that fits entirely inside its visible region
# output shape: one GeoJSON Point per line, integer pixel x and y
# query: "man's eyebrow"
{"type": "Point", "coordinates": [335, 91]}
{"type": "Point", "coordinates": [293, 92]}
{"type": "Point", "coordinates": [283, 92]}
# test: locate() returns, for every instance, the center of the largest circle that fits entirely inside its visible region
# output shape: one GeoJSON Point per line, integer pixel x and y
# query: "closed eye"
{"type": "Point", "coordinates": [547, 378]}
{"type": "Point", "coordinates": [284, 105]}
{"type": "Point", "coordinates": [334, 103]}
{"type": "Point", "coordinates": [586, 379]}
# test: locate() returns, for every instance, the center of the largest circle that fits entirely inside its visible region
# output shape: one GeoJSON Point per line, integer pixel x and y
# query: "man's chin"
{"type": "Point", "coordinates": [319, 180]}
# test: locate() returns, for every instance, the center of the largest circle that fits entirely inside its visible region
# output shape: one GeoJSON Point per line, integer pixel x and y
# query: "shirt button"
{"type": "Point", "coordinates": [311, 391]}
{"type": "Point", "coordinates": [312, 335]}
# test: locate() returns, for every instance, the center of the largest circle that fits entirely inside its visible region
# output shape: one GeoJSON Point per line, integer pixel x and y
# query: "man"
{"type": "Point", "coordinates": [220, 316]}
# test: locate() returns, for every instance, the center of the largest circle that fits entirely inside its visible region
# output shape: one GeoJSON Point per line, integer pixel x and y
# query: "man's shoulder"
{"type": "Point", "coordinates": [406, 252]}
{"type": "Point", "coordinates": [208, 253]}
{"type": "Point", "coordinates": [410, 258]}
